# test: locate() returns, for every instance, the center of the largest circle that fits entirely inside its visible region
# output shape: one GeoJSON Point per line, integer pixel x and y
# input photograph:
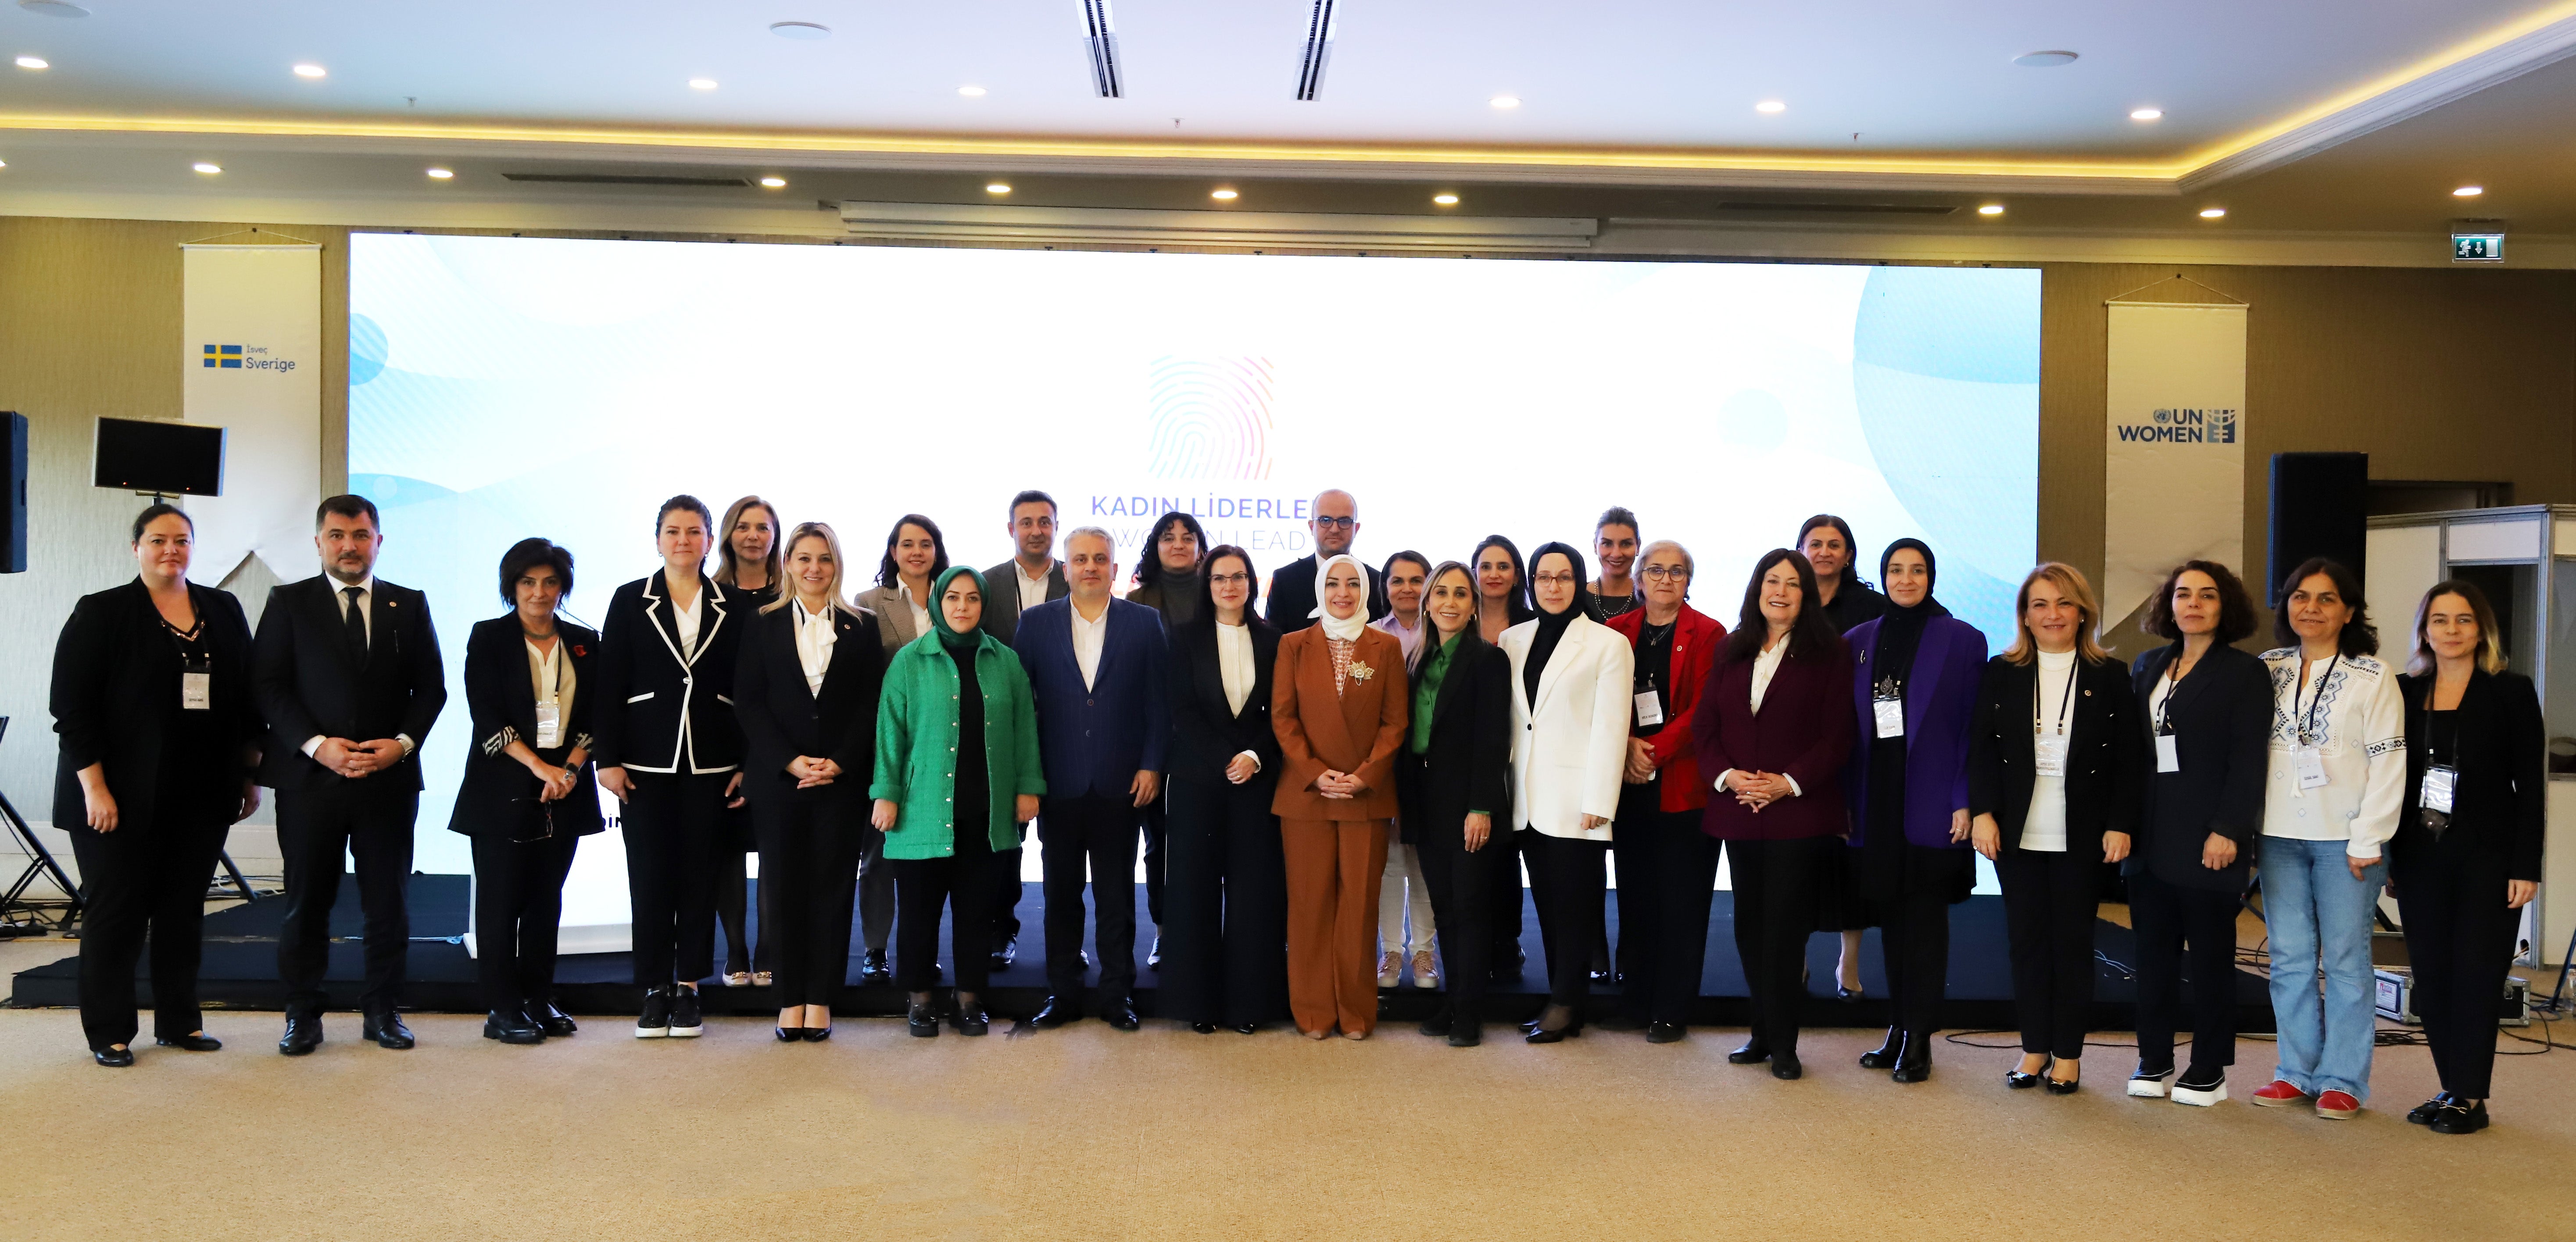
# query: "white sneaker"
{"type": "Point", "coordinates": [2200, 1096]}
{"type": "Point", "coordinates": [1426, 974]}
{"type": "Point", "coordinates": [1390, 969]}
{"type": "Point", "coordinates": [2146, 1086]}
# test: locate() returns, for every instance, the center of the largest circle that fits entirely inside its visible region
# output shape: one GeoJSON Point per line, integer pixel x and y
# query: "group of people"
{"type": "Point", "coordinates": [1328, 782]}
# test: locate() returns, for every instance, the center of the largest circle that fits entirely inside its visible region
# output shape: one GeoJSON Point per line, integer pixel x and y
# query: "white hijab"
{"type": "Point", "coordinates": [1346, 629]}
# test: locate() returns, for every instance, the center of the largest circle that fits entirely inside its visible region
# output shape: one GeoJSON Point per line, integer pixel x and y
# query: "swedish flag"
{"type": "Point", "coordinates": [224, 356]}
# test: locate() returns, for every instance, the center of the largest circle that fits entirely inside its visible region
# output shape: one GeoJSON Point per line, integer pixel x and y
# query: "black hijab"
{"type": "Point", "coordinates": [1900, 629]}
{"type": "Point", "coordinates": [1551, 625]}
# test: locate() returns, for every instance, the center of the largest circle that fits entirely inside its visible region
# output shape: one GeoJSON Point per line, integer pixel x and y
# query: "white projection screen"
{"type": "Point", "coordinates": [507, 387]}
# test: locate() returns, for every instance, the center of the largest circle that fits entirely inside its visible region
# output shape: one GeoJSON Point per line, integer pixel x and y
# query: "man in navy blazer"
{"type": "Point", "coordinates": [1096, 667]}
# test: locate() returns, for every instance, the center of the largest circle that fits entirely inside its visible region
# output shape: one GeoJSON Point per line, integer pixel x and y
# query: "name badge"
{"type": "Point", "coordinates": [1650, 707]}
{"type": "Point", "coordinates": [197, 689]}
{"type": "Point", "coordinates": [2168, 753]}
{"type": "Point", "coordinates": [2439, 780]}
{"type": "Point", "coordinates": [1891, 716]}
{"type": "Point", "coordinates": [2308, 765]}
{"type": "Point", "coordinates": [2048, 754]}
{"type": "Point", "coordinates": [549, 725]}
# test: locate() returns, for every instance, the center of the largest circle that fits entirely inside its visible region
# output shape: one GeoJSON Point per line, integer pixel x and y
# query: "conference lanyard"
{"type": "Point", "coordinates": [2441, 779]}
{"type": "Point", "coordinates": [549, 701]}
{"type": "Point", "coordinates": [196, 669]}
{"type": "Point", "coordinates": [2168, 752]}
{"type": "Point", "coordinates": [2048, 750]}
{"type": "Point", "coordinates": [2306, 763]}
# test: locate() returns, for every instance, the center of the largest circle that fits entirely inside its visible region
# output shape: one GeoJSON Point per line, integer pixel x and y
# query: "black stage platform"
{"type": "Point", "coordinates": [240, 970]}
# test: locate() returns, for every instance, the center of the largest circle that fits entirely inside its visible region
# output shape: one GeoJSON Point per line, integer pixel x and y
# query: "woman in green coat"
{"type": "Point", "coordinates": [948, 808]}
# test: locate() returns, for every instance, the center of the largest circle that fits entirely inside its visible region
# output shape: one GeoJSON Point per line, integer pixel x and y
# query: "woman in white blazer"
{"type": "Point", "coordinates": [1570, 702]}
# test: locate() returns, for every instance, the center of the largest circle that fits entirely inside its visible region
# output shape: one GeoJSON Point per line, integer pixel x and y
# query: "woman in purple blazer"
{"type": "Point", "coordinates": [1915, 672]}
{"type": "Point", "coordinates": [1772, 730]}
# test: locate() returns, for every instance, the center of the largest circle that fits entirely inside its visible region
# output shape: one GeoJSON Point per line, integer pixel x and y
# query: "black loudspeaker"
{"type": "Point", "coordinates": [13, 509]}
{"type": "Point", "coordinates": [2320, 507]}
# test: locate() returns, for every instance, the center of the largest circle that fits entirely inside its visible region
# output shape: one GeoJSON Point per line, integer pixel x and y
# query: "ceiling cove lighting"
{"type": "Point", "coordinates": [2468, 191]}
{"type": "Point", "coordinates": [2213, 213]}
{"type": "Point", "coordinates": [441, 174]}
{"type": "Point", "coordinates": [208, 169]}
{"type": "Point", "coordinates": [971, 92]}
{"type": "Point", "coordinates": [702, 84]}
{"type": "Point", "coordinates": [1222, 196]}
{"type": "Point", "coordinates": [2147, 114]}
{"type": "Point", "coordinates": [1772, 106]}
{"type": "Point", "coordinates": [998, 187]}
{"type": "Point", "coordinates": [803, 32]}
{"type": "Point", "coordinates": [1100, 40]}
{"type": "Point", "coordinates": [34, 62]}
{"type": "Point", "coordinates": [773, 183]}
{"type": "Point", "coordinates": [53, 8]}
{"type": "Point", "coordinates": [1505, 101]}
{"type": "Point", "coordinates": [1445, 200]}
{"type": "Point", "coordinates": [309, 70]}
{"type": "Point", "coordinates": [1991, 209]}
{"type": "Point", "coordinates": [2044, 60]}
{"type": "Point", "coordinates": [1318, 51]}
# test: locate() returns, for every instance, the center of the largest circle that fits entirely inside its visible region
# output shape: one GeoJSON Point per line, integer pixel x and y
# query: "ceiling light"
{"type": "Point", "coordinates": [773, 183]}
{"type": "Point", "coordinates": [971, 92]}
{"type": "Point", "coordinates": [4, 163]}
{"type": "Point", "coordinates": [1222, 196]}
{"type": "Point", "coordinates": [702, 84]}
{"type": "Point", "coordinates": [33, 62]}
{"type": "Point", "coordinates": [53, 8]}
{"type": "Point", "coordinates": [441, 174]}
{"type": "Point", "coordinates": [998, 187]}
{"type": "Point", "coordinates": [311, 71]}
{"type": "Point", "coordinates": [2468, 191]}
{"type": "Point", "coordinates": [1770, 105]}
{"type": "Point", "coordinates": [203, 167]}
{"type": "Point", "coordinates": [2147, 114]}
{"type": "Point", "coordinates": [1445, 200]}
{"type": "Point", "coordinates": [1505, 101]}
{"type": "Point", "coordinates": [1991, 209]}
{"type": "Point", "coordinates": [2213, 213]}
{"type": "Point", "coordinates": [803, 32]}
{"type": "Point", "coordinates": [2044, 60]}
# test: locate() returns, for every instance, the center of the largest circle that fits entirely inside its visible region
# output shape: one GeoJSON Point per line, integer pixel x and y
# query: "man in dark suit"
{"type": "Point", "coordinates": [1097, 671]}
{"type": "Point", "coordinates": [1030, 578]}
{"type": "Point", "coordinates": [348, 675]}
{"type": "Point", "coordinates": [1335, 524]}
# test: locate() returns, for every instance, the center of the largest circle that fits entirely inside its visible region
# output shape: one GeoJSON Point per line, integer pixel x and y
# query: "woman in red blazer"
{"type": "Point", "coordinates": [1771, 730]}
{"type": "Point", "coordinates": [1666, 865]}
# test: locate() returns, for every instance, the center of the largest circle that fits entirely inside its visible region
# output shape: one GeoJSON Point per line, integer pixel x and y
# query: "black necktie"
{"type": "Point", "coordinates": [353, 619]}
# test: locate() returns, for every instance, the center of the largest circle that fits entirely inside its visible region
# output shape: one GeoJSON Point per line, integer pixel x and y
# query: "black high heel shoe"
{"type": "Point", "coordinates": [1539, 1033]}
{"type": "Point", "coordinates": [790, 1034]}
{"type": "Point", "coordinates": [817, 1034]}
{"type": "Point", "coordinates": [1204, 1028]}
{"type": "Point", "coordinates": [2020, 1081]}
{"type": "Point", "coordinates": [1247, 1028]}
{"type": "Point", "coordinates": [1884, 1056]}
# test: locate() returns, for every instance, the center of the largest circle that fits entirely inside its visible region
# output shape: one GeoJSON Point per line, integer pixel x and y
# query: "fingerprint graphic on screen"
{"type": "Point", "coordinates": [1210, 418]}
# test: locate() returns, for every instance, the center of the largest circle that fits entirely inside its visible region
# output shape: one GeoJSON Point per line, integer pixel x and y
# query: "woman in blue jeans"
{"type": "Point", "coordinates": [2337, 779]}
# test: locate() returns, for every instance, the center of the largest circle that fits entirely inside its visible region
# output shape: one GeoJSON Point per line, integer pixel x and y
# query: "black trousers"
{"type": "Point", "coordinates": [1775, 909]}
{"type": "Point", "coordinates": [1463, 896]}
{"type": "Point", "coordinates": [1914, 947]}
{"type": "Point", "coordinates": [1156, 816]}
{"type": "Point", "coordinates": [518, 911]}
{"type": "Point", "coordinates": [2048, 920]}
{"type": "Point", "coordinates": [1569, 882]}
{"type": "Point", "coordinates": [145, 877]}
{"type": "Point", "coordinates": [2460, 937]}
{"type": "Point", "coordinates": [1007, 891]}
{"type": "Point", "coordinates": [1506, 897]}
{"type": "Point", "coordinates": [671, 821]}
{"type": "Point", "coordinates": [1090, 839]}
{"type": "Point", "coordinates": [960, 885]}
{"type": "Point", "coordinates": [1226, 904]}
{"type": "Point", "coordinates": [2185, 929]}
{"type": "Point", "coordinates": [1667, 880]}
{"type": "Point", "coordinates": [809, 870]}
{"type": "Point", "coordinates": [314, 828]}
{"type": "Point", "coordinates": [743, 951]}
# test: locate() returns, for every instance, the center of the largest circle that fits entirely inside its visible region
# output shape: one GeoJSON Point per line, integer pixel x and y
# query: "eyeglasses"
{"type": "Point", "coordinates": [1237, 579]}
{"type": "Point", "coordinates": [1337, 523]}
{"type": "Point", "coordinates": [1658, 573]}
{"type": "Point", "coordinates": [1553, 579]}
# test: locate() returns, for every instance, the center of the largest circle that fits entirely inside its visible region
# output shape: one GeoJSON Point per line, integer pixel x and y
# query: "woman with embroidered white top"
{"type": "Point", "coordinates": [2336, 782]}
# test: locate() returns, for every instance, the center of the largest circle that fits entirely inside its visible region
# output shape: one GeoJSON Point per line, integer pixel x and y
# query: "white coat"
{"type": "Point", "coordinates": [1570, 746]}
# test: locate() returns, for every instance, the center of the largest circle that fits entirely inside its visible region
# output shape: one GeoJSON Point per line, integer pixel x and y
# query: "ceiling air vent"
{"type": "Point", "coordinates": [619, 179]}
{"type": "Point", "coordinates": [1848, 209]}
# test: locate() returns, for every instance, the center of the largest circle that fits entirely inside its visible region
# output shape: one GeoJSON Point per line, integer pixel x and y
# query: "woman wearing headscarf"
{"type": "Point", "coordinates": [1338, 706]}
{"type": "Point", "coordinates": [1167, 581]}
{"type": "Point", "coordinates": [1572, 676]}
{"type": "Point", "coordinates": [1915, 672]}
{"type": "Point", "coordinates": [1829, 547]}
{"type": "Point", "coordinates": [806, 693]}
{"type": "Point", "coordinates": [956, 774]}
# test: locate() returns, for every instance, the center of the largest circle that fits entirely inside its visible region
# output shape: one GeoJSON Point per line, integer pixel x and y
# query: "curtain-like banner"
{"type": "Point", "coordinates": [2174, 469]}
{"type": "Point", "coordinates": [252, 355]}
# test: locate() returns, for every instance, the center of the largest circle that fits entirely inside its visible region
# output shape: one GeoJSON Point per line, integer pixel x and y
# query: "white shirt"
{"type": "Point", "coordinates": [1764, 665]}
{"type": "Point", "coordinates": [2045, 827]}
{"type": "Point", "coordinates": [1033, 591]}
{"type": "Point", "coordinates": [1234, 664]}
{"type": "Point", "coordinates": [1088, 638]}
{"type": "Point", "coordinates": [685, 620]}
{"type": "Point", "coordinates": [920, 615]}
{"type": "Point", "coordinates": [814, 638]}
{"type": "Point", "coordinates": [2357, 720]}
{"type": "Point", "coordinates": [367, 618]}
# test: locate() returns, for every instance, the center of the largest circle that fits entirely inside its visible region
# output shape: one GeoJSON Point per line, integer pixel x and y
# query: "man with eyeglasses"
{"type": "Point", "coordinates": [1335, 524]}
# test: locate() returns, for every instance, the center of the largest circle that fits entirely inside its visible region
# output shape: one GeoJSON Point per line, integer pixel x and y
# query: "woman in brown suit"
{"type": "Point", "coordinates": [1338, 705]}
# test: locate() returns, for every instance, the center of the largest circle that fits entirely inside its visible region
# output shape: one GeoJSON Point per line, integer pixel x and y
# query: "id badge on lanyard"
{"type": "Point", "coordinates": [1650, 707]}
{"type": "Point", "coordinates": [2439, 780]}
{"type": "Point", "coordinates": [197, 686]}
{"type": "Point", "coordinates": [2048, 748]}
{"type": "Point", "coordinates": [549, 725]}
{"type": "Point", "coordinates": [1887, 704]}
{"type": "Point", "coordinates": [2308, 764]}
{"type": "Point", "coordinates": [2306, 761]}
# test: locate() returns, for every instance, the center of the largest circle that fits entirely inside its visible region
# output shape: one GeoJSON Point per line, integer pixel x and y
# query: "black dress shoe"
{"type": "Point", "coordinates": [1884, 1056]}
{"type": "Point", "coordinates": [817, 1034]}
{"type": "Point", "coordinates": [1122, 1015]}
{"type": "Point", "coordinates": [1054, 1013]}
{"type": "Point", "coordinates": [2065, 1086]}
{"type": "Point", "coordinates": [2424, 1113]}
{"type": "Point", "coordinates": [387, 1030]}
{"type": "Point", "coordinates": [873, 971]}
{"type": "Point", "coordinates": [1204, 1028]}
{"type": "Point", "coordinates": [2454, 1118]}
{"type": "Point", "coordinates": [1599, 975]}
{"type": "Point", "coordinates": [1573, 1029]}
{"type": "Point", "coordinates": [971, 1020]}
{"type": "Point", "coordinates": [1466, 1034]}
{"type": "Point", "coordinates": [790, 1034]}
{"type": "Point", "coordinates": [1785, 1067]}
{"type": "Point", "coordinates": [2020, 1081]}
{"type": "Point", "coordinates": [1665, 1032]}
{"type": "Point", "coordinates": [922, 1021]}
{"type": "Point", "coordinates": [193, 1043]}
{"type": "Point", "coordinates": [1003, 956]}
{"type": "Point", "coordinates": [1154, 956]}
{"type": "Point", "coordinates": [303, 1034]}
{"type": "Point", "coordinates": [512, 1027]}
{"type": "Point", "coordinates": [1754, 1052]}
{"type": "Point", "coordinates": [1842, 993]}
{"type": "Point", "coordinates": [113, 1058]}
{"type": "Point", "coordinates": [552, 1021]}
{"type": "Point", "coordinates": [688, 1018]}
{"type": "Point", "coordinates": [1438, 1024]}
{"type": "Point", "coordinates": [1247, 1028]}
{"type": "Point", "coordinates": [1914, 1060]}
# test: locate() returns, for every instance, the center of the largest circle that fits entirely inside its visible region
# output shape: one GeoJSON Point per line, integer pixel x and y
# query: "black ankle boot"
{"type": "Point", "coordinates": [1884, 1056]}
{"type": "Point", "coordinates": [1914, 1058]}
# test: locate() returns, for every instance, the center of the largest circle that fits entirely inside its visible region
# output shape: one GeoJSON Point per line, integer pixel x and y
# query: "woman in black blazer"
{"type": "Point", "coordinates": [1227, 887]}
{"type": "Point", "coordinates": [812, 667]}
{"type": "Point", "coordinates": [2057, 762]}
{"type": "Point", "coordinates": [1454, 781]}
{"type": "Point", "coordinates": [749, 564]}
{"type": "Point", "coordinates": [2207, 709]}
{"type": "Point", "coordinates": [671, 750]}
{"type": "Point", "coordinates": [2464, 865]}
{"type": "Point", "coordinates": [160, 735]}
{"type": "Point", "coordinates": [526, 801]}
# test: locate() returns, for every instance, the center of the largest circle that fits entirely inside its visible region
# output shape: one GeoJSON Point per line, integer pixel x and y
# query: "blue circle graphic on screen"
{"type": "Point", "coordinates": [366, 349]}
{"type": "Point", "coordinates": [1945, 378]}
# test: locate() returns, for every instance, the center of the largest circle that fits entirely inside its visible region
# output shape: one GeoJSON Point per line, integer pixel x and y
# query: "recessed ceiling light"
{"type": "Point", "coordinates": [207, 168]}
{"type": "Point", "coordinates": [1991, 209]}
{"type": "Point", "coordinates": [998, 187]}
{"type": "Point", "coordinates": [34, 62]}
{"type": "Point", "coordinates": [311, 71]}
{"type": "Point", "coordinates": [971, 92]}
{"type": "Point", "coordinates": [441, 174]}
{"type": "Point", "coordinates": [2213, 213]}
{"type": "Point", "coordinates": [1222, 196]}
{"type": "Point", "coordinates": [1505, 101]}
{"type": "Point", "coordinates": [53, 8]}
{"type": "Point", "coordinates": [702, 84]}
{"type": "Point", "coordinates": [2044, 60]}
{"type": "Point", "coordinates": [1770, 105]}
{"type": "Point", "coordinates": [2468, 191]}
{"type": "Point", "coordinates": [4, 163]}
{"type": "Point", "coordinates": [803, 32]}
{"type": "Point", "coordinates": [2147, 114]}
{"type": "Point", "coordinates": [1445, 200]}
{"type": "Point", "coordinates": [773, 183]}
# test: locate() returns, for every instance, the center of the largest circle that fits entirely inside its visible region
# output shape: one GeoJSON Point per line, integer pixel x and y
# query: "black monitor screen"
{"type": "Point", "coordinates": [176, 458]}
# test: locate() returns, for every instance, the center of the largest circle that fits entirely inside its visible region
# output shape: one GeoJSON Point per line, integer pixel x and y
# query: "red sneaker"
{"type": "Point", "coordinates": [2277, 1093]}
{"type": "Point", "coordinates": [2337, 1106]}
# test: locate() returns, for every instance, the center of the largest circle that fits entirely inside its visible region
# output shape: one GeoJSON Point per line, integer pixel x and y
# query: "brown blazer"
{"type": "Point", "coordinates": [1360, 734]}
